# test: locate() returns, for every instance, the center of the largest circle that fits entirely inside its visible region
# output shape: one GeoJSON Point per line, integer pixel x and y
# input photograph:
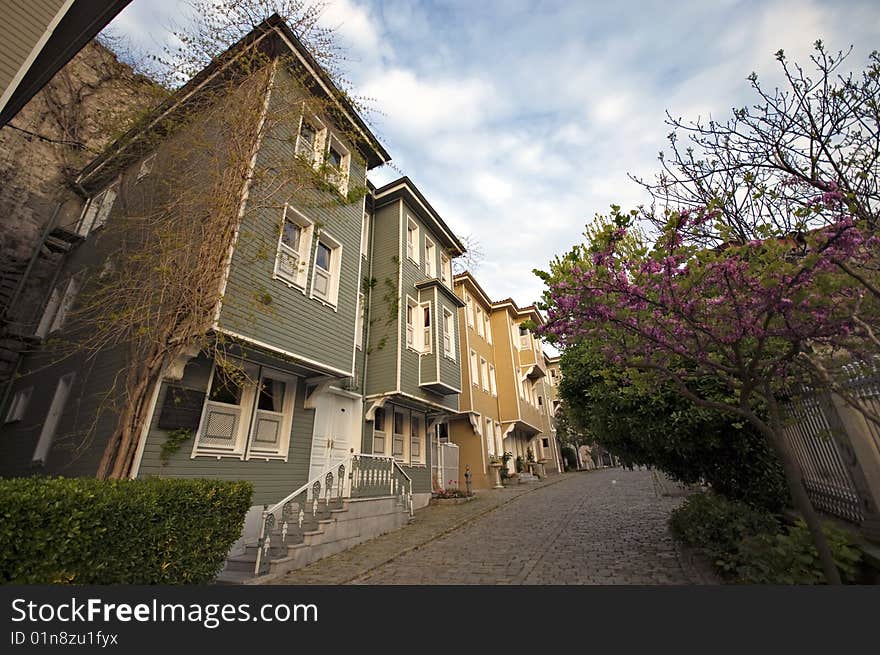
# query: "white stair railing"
{"type": "Point", "coordinates": [357, 476]}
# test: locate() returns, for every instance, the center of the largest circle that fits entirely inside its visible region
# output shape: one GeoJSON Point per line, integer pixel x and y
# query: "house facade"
{"type": "Point", "coordinates": [334, 369]}
{"type": "Point", "coordinates": [505, 402]}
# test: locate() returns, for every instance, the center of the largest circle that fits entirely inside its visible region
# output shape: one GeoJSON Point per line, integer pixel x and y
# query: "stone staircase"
{"type": "Point", "coordinates": [527, 478]}
{"type": "Point", "coordinates": [369, 498]}
{"type": "Point", "coordinates": [336, 527]}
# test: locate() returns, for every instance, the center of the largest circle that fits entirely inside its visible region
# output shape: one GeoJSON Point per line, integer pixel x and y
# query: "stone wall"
{"type": "Point", "coordinates": [88, 102]}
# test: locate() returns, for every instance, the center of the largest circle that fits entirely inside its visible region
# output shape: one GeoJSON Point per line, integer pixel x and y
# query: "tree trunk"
{"type": "Point", "coordinates": [801, 500]}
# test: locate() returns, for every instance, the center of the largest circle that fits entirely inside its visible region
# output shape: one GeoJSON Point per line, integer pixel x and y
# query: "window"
{"type": "Point", "coordinates": [488, 329]}
{"type": "Point", "coordinates": [325, 276]}
{"type": "Point", "coordinates": [479, 319]}
{"type": "Point", "coordinates": [475, 379]}
{"type": "Point", "coordinates": [248, 414]}
{"type": "Point", "coordinates": [379, 431]}
{"type": "Point", "coordinates": [146, 167]}
{"type": "Point", "coordinates": [448, 334]}
{"type": "Point", "coordinates": [484, 373]}
{"type": "Point", "coordinates": [540, 401]}
{"type": "Point", "coordinates": [430, 259]}
{"type": "Point", "coordinates": [270, 429]}
{"type": "Point", "coordinates": [57, 308]}
{"type": "Point", "coordinates": [545, 442]}
{"type": "Point", "coordinates": [19, 404]}
{"type": "Point", "coordinates": [97, 209]}
{"type": "Point", "coordinates": [445, 270]}
{"type": "Point", "coordinates": [499, 446]}
{"type": "Point", "coordinates": [426, 323]}
{"type": "Point", "coordinates": [310, 140]}
{"type": "Point", "coordinates": [470, 309]}
{"type": "Point", "coordinates": [490, 437]}
{"type": "Point", "coordinates": [294, 248]}
{"type": "Point", "coordinates": [412, 240]}
{"type": "Point", "coordinates": [397, 436]}
{"type": "Point", "coordinates": [411, 309]}
{"type": "Point", "coordinates": [493, 389]}
{"type": "Point", "coordinates": [552, 377]}
{"type": "Point", "coordinates": [50, 425]}
{"type": "Point", "coordinates": [338, 162]}
{"type": "Point", "coordinates": [524, 337]}
{"type": "Point", "coordinates": [443, 433]}
{"type": "Point", "coordinates": [359, 321]}
{"type": "Point", "coordinates": [365, 234]}
{"type": "Point", "coordinates": [416, 436]}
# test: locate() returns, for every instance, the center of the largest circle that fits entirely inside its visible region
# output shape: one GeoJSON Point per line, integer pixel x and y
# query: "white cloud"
{"type": "Point", "coordinates": [422, 107]}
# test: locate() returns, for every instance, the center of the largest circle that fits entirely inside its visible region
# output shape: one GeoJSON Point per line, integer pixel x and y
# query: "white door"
{"type": "Point", "coordinates": [337, 422]}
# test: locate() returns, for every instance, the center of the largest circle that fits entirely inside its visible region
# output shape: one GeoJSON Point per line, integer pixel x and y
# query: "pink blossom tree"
{"type": "Point", "coordinates": [743, 313]}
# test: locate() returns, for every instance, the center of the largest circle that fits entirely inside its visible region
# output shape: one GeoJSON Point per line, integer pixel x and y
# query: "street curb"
{"type": "Point", "coordinates": [453, 528]}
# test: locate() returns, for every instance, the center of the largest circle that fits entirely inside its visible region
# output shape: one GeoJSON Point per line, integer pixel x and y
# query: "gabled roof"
{"type": "Point", "coordinates": [404, 188]}
{"type": "Point", "coordinates": [274, 35]}
{"type": "Point", "coordinates": [529, 311]}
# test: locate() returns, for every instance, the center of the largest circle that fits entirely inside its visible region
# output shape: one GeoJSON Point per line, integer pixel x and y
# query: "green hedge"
{"type": "Point", "coordinates": [87, 531]}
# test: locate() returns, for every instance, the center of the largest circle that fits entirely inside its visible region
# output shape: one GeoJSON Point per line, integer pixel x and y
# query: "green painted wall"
{"type": "Point", "coordinates": [269, 310]}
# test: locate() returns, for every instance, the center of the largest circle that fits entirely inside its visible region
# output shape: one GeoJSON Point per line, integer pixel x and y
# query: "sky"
{"type": "Point", "coordinates": [520, 120]}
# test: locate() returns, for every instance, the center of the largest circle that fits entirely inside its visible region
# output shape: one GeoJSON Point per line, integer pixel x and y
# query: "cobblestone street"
{"type": "Point", "coordinates": [600, 527]}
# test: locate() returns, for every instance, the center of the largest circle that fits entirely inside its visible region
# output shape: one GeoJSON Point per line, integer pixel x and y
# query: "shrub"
{"type": "Point", "coordinates": [87, 531]}
{"type": "Point", "coordinates": [751, 546]}
{"type": "Point", "coordinates": [716, 526]}
{"type": "Point", "coordinates": [791, 558]}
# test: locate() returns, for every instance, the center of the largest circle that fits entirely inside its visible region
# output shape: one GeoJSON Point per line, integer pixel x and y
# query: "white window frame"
{"type": "Point", "coordinates": [411, 312]}
{"type": "Point", "coordinates": [475, 375]}
{"type": "Point", "coordinates": [470, 309]}
{"type": "Point", "coordinates": [282, 451]}
{"type": "Point", "coordinates": [146, 167]}
{"type": "Point", "coordinates": [445, 269]}
{"type": "Point", "coordinates": [416, 438]}
{"type": "Point", "coordinates": [479, 320]}
{"type": "Point", "coordinates": [430, 258]}
{"type": "Point", "coordinates": [359, 321]}
{"type": "Point", "coordinates": [380, 434]}
{"type": "Point", "coordinates": [484, 374]}
{"type": "Point", "coordinates": [490, 436]}
{"type": "Point", "coordinates": [399, 436]}
{"type": "Point", "coordinates": [18, 405]}
{"type": "Point", "coordinates": [499, 439]}
{"type": "Point", "coordinates": [332, 297]}
{"type": "Point", "coordinates": [301, 257]}
{"type": "Point", "coordinates": [493, 385]}
{"type": "Point", "coordinates": [53, 417]}
{"type": "Point", "coordinates": [244, 408]}
{"type": "Point", "coordinates": [525, 341]}
{"type": "Point", "coordinates": [488, 328]}
{"type": "Point", "coordinates": [426, 331]}
{"type": "Point", "coordinates": [320, 138]}
{"type": "Point", "coordinates": [449, 334]}
{"type": "Point", "coordinates": [338, 176]}
{"type": "Point", "coordinates": [97, 209]}
{"type": "Point", "coordinates": [413, 243]}
{"type": "Point", "coordinates": [57, 308]}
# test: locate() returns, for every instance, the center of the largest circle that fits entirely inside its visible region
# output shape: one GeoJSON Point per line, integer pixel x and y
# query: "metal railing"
{"type": "Point", "coordinates": [826, 476]}
{"type": "Point", "coordinates": [357, 476]}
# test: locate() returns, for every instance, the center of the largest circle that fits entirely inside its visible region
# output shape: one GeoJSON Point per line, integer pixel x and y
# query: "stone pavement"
{"type": "Point", "coordinates": [598, 527]}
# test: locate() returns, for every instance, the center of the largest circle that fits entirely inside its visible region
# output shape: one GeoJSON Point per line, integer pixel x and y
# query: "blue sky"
{"type": "Point", "coordinates": [520, 120]}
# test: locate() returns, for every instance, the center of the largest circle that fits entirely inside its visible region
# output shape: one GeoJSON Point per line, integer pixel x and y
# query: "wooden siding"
{"type": "Point", "coordinates": [24, 24]}
{"type": "Point", "coordinates": [269, 310]}
{"type": "Point", "coordinates": [383, 314]}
